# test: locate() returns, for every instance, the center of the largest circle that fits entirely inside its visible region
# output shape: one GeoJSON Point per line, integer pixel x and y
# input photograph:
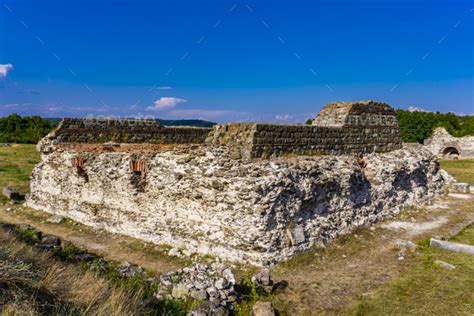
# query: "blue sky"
{"type": "Point", "coordinates": [276, 61]}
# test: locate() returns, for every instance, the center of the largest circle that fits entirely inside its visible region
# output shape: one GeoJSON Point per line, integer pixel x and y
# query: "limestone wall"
{"type": "Point", "coordinates": [259, 211]}
{"type": "Point", "coordinates": [74, 130]}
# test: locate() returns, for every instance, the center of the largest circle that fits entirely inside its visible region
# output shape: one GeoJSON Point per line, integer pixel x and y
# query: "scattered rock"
{"type": "Point", "coordinates": [201, 282]}
{"type": "Point", "coordinates": [199, 295]}
{"type": "Point", "coordinates": [263, 277]}
{"type": "Point", "coordinates": [221, 284]}
{"type": "Point", "coordinates": [128, 270]}
{"type": "Point", "coordinates": [87, 257]}
{"type": "Point", "coordinates": [261, 308]}
{"type": "Point", "coordinates": [209, 308]}
{"type": "Point", "coordinates": [55, 219]}
{"type": "Point", "coordinates": [174, 252]}
{"type": "Point", "coordinates": [179, 291]}
{"type": "Point", "coordinates": [12, 194]}
{"type": "Point", "coordinates": [445, 265]}
{"type": "Point", "coordinates": [406, 244]}
{"type": "Point", "coordinates": [50, 240]}
{"type": "Point", "coordinates": [460, 187]}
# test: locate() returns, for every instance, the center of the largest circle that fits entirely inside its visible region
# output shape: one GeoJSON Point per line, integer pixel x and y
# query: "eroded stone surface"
{"type": "Point", "coordinates": [260, 211]}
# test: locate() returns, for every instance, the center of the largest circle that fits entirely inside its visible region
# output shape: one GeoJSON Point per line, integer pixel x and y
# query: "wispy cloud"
{"type": "Point", "coordinates": [165, 103]}
{"type": "Point", "coordinates": [416, 109]}
{"type": "Point", "coordinates": [4, 69]}
{"type": "Point", "coordinates": [164, 88]}
{"type": "Point", "coordinates": [283, 118]}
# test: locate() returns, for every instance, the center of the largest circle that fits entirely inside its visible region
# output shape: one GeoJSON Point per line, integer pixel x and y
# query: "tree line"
{"type": "Point", "coordinates": [418, 126]}
{"type": "Point", "coordinates": [27, 129]}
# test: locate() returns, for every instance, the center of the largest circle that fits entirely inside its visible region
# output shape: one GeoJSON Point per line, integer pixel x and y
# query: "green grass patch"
{"type": "Point", "coordinates": [461, 170]}
{"type": "Point", "coordinates": [426, 288]}
{"type": "Point", "coordinates": [16, 164]}
{"type": "Point", "coordinates": [67, 253]}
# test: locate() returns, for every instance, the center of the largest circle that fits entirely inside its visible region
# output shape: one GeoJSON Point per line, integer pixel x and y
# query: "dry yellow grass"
{"type": "Point", "coordinates": [32, 283]}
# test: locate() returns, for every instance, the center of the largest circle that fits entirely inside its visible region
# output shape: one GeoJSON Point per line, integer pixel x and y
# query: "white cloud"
{"type": "Point", "coordinates": [416, 109]}
{"type": "Point", "coordinates": [283, 118]}
{"type": "Point", "coordinates": [4, 69]}
{"type": "Point", "coordinates": [166, 102]}
{"type": "Point", "coordinates": [164, 88]}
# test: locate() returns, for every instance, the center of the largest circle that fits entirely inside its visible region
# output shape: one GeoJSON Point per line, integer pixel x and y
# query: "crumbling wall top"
{"type": "Point", "coordinates": [360, 113]}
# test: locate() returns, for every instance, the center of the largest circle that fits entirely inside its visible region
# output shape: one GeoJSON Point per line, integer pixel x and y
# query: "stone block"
{"type": "Point", "coordinates": [460, 187]}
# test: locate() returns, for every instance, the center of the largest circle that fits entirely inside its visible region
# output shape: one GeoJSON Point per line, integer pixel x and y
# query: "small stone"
{"type": "Point", "coordinates": [264, 277]}
{"type": "Point", "coordinates": [221, 283]}
{"type": "Point", "coordinates": [405, 244]}
{"type": "Point", "coordinates": [296, 235]}
{"type": "Point", "coordinates": [227, 273]}
{"type": "Point", "coordinates": [402, 253]}
{"type": "Point", "coordinates": [460, 187]}
{"type": "Point", "coordinates": [179, 291]}
{"type": "Point", "coordinates": [199, 295]}
{"type": "Point", "coordinates": [84, 257]}
{"type": "Point", "coordinates": [261, 308]}
{"type": "Point", "coordinates": [174, 252]}
{"type": "Point", "coordinates": [212, 291]}
{"type": "Point", "coordinates": [11, 194]}
{"type": "Point", "coordinates": [50, 240]}
{"type": "Point", "coordinates": [55, 219]}
{"type": "Point", "coordinates": [445, 265]}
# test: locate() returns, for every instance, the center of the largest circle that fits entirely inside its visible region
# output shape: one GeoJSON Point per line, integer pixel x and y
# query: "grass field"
{"type": "Point", "coordinates": [426, 287]}
{"type": "Point", "coordinates": [16, 163]}
{"type": "Point", "coordinates": [461, 170]}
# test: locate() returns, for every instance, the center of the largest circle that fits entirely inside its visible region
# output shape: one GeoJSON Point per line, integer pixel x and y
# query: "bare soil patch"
{"type": "Point", "coordinates": [328, 281]}
{"type": "Point", "coordinates": [111, 246]}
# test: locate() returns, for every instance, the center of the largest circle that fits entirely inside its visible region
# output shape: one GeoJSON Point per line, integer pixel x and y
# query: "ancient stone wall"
{"type": "Point", "coordinates": [196, 199]}
{"type": "Point", "coordinates": [362, 114]}
{"type": "Point", "coordinates": [257, 140]}
{"type": "Point", "coordinates": [340, 128]}
{"type": "Point", "coordinates": [74, 130]}
{"type": "Point", "coordinates": [445, 146]}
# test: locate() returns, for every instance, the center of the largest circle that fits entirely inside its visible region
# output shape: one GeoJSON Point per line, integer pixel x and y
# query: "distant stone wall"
{"type": "Point", "coordinates": [75, 130]}
{"type": "Point", "coordinates": [445, 146]}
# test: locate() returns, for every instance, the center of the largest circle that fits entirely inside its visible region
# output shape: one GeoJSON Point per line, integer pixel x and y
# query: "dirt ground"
{"type": "Point", "coordinates": [323, 281]}
{"type": "Point", "coordinates": [328, 281]}
{"type": "Point", "coordinates": [112, 246]}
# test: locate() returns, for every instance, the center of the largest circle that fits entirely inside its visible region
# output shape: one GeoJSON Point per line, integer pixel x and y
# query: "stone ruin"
{"type": "Point", "coordinates": [445, 146]}
{"type": "Point", "coordinates": [247, 192]}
